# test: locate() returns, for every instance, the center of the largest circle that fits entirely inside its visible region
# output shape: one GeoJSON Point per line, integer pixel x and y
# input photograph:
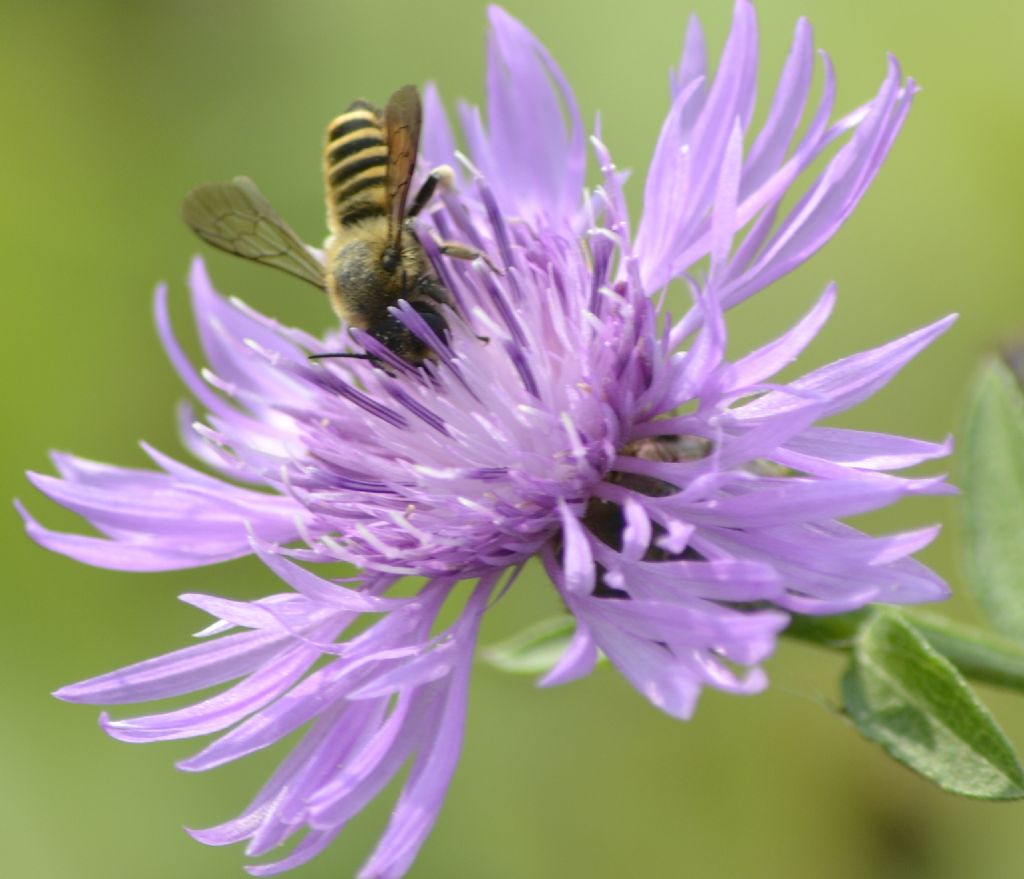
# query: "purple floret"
{"type": "Point", "coordinates": [683, 504]}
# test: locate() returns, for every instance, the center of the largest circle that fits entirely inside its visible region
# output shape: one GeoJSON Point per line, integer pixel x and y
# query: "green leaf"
{"type": "Point", "coordinates": [978, 653]}
{"type": "Point", "coordinates": [993, 482]}
{"type": "Point", "coordinates": [902, 694]}
{"type": "Point", "coordinates": [535, 650]}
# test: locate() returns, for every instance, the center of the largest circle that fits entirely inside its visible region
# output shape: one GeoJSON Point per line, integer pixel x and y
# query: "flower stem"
{"type": "Point", "coordinates": [978, 653]}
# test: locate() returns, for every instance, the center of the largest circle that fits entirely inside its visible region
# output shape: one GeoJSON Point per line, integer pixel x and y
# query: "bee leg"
{"type": "Point", "coordinates": [442, 175]}
{"type": "Point", "coordinates": [464, 251]}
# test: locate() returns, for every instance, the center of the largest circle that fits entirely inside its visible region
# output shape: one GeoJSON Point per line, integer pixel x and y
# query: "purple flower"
{"type": "Point", "coordinates": [683, 504]}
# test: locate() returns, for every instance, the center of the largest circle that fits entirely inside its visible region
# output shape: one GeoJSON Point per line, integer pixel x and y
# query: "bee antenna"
{"type": "Point", "coordinates": [341, 354]}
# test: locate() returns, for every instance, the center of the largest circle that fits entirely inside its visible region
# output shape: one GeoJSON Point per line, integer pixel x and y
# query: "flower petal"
{"type": "Point", "coordinates": [540, 177]}
{"type": "Point", "coordinates": [846, 382]}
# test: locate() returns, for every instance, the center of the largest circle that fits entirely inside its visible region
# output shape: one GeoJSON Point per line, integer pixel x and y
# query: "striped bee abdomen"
{"type": "Point", "coordinates": [355, 166]}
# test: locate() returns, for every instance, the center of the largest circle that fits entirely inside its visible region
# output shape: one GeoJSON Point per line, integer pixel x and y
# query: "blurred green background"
{"type": "Point", "coordinates": [112, 110]}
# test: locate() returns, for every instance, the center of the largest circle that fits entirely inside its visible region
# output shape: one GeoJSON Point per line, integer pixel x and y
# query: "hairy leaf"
{"type": "Point", "coordinates": [993, 483]}
{"type": "Point", "coordinates": [902, 694]}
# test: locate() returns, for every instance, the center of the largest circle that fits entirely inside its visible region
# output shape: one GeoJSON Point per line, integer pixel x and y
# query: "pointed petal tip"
{"type": "Point", "coordinates": [33, 529]}
{"type": "Point", "coordinates": [57, 458]}
{"type": "Point", "coordinates": [160, 295]}
{"type": "Point", "coordinates": [205, 835]}
{"type": "Point", "coordinates": [932, 485]}
{"type": "Point", "coordinates": [935, 590]}
{"type": "Point", "coordinates": [39, 481]}
{"type": "Point", "coordinates": [928, 535]}
{"type": "Point", "coordinates": [827, 301]}
{"type": "Point", "coordinates": [189, 765]}
{"type": "Point", "coordinates": [199, 280]}
{"type": "Point", "coordinates": [945, 323]}
{"type": "Point", "coordinates": [930, 332]}
{"type": "Point", "coordinates": [69, 693]}
{"type": "Point", "coordinates": [498, 16]}
{"type": "Point", "coordinates": [893, 64]}
{"type": "Point", "coordinates": [121, 730]}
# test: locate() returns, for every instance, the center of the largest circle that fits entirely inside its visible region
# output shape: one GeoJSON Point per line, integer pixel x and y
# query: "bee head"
{"type": "Point", "coordinates": [438, 325]}
{"type": "Point", "coordinates": [397, 337]}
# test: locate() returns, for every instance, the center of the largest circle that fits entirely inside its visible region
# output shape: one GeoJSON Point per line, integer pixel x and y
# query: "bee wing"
{"type": "Point", "coordinates": [237, 218]}
{"type": "Point", "coordinates": [402, 120]}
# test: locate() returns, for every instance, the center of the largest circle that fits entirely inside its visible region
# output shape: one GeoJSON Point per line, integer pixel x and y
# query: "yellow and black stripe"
{"type": "Point", "coordinates": [355, 166]}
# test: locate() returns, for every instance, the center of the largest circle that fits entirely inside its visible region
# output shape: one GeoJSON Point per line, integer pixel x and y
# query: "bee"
{"type": "Point", "coordinates": [373, 259]}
